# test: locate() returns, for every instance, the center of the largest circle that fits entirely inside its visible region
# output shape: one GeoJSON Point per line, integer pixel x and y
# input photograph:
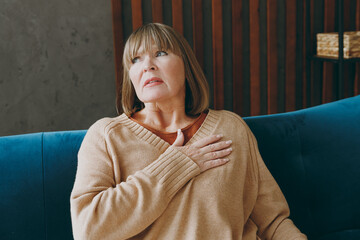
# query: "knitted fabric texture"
{"type": "Point", "coordinates": [131, 184]}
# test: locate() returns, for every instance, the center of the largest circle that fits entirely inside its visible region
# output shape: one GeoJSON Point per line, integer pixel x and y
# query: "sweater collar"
{"type": "Point", "coordinates": [206, 129]}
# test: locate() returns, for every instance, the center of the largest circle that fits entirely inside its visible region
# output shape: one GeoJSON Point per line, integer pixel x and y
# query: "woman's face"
{"type": "Point", "coordinates": [158, 76]}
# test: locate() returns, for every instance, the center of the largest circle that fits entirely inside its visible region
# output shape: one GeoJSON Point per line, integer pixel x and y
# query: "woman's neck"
{"type": "Point", "coordinates": [164, 119]}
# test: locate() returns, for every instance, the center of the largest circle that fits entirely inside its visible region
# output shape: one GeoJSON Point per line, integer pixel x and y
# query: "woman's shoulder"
{"type": "Point", "coordinates": [228, 116]}
{"type": "Point", "coordinates": [107, 124]}
{"type": "Point", "coordinates": [230, 122]}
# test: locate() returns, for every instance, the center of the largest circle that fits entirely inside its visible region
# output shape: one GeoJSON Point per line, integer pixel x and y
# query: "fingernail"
{"type": "Point", "coordinates": [228, 142]}
{"type": "Point", "coordinates": [219, 135]}
{"type": "Point", "coordinates": [178, 131]}
{"type": "Point", "coordinates": [229, 149]}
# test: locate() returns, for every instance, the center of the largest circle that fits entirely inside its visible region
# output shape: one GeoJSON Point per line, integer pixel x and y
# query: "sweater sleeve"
{"type": "Point", "coordinates": [102, 209]}
{"type": "Point", "coordinates": [271, 210]}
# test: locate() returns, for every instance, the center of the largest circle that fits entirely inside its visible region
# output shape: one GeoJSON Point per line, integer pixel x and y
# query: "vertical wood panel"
{"type": "Point", "coordinates": [347, 15]}
{"type": "Point", "coordinates": [246, 58]}
{"type": "Point", "coordinates": [167, 12]}
{"type": "Point", "coordinates": [347, 68]}
{"type": "Point", "coordinates": [316, 78]}
{"type": "Point", "coordinates": [263, 35]}
{"type": "Point", "coordinates": [198, 40]}
{"type": "Point", "coordinates": [300, 61]}
{"type": "Point", "coordinates": [208, 58]}
{"type": "Point", "coordinates": [309, 82]}
{"type": "Point", "coordinates": [254, 57]}
{"type": "Point", "coordinates": [177, 15]}
{"type": "Point", "coordinates": [357, 15]}
{"type": "Point", "coordinates": [272, 57]}
{"type": "Point", "coordinates": [227, 55]}
{"type": "Point", "coordinates": [157, 11]}
{"type": "Point", "coordinates": [305, 52]}
{"type": "Point", "coordinates": [357, 80]}
{"type": "Point", "coordinates": [188, 22]}
{"type": "Point", "coordinates": [281, 54]}
{"type": "Point", "coordinates": [237, 55]}
{"type": "Point", "coordinates": [118, 44]}
{"type": "Point", "coordinates": [328, 68]}
{"type": "Point", "coordinates": [218, 67]}
{"type": "Point", "coordinates": [290, 64]}
{"type": "Point", "coordinates": [136, 10]}
{"type": "Point", "coordinates": [357, 65]}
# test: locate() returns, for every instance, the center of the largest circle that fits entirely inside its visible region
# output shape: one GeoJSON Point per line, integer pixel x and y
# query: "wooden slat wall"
{"type": "Point", "coordinates": [313, 88]}
{"type": "Point", "coordinates": [304, 53]}
{"type": "Point", "coordinates": [218, 63]}
{"type": "Point", "coordinates": [157, 11]}
{"type": "Point", "coordinates": [237, 56]}
{"type": "Point", "coordinates": [272, 56]}
{"type": "Point", "coordinates": [254, 13]}
{"type": "Point", "coordinates": [348, 70]}
{"type": "Point", "coordinates": [328, 68]}
{"type": "Point", "coordinates": [357, 66]}
{"type": "Point", "coordinates": [136, 10]}
{"type": "Point", "coordinates": [177, 13]}
{"type": "Point", "coordinates": [268, 59]}
{"type": "Point", "coordinates": [197, 23]}
{"type": "Point", "coordinates": [290, 57]}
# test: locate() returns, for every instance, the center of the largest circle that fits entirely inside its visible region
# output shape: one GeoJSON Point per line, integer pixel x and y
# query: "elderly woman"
{"type": "Point", "coordinates": [169, 167]}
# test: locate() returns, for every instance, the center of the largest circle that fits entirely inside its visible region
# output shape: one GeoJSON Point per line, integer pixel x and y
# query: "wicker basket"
{"type": "Point", "coordinates": [328, 44]}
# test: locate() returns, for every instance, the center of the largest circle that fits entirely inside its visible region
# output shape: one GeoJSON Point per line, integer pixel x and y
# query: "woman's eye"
{"type": "Point", "coordinates": [135, 60]}
{"type": "Point", "coordinates": [161, 53]}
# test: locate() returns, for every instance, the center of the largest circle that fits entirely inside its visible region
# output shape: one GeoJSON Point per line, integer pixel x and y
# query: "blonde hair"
{"type": "Point", "coordinates": [164, 38]}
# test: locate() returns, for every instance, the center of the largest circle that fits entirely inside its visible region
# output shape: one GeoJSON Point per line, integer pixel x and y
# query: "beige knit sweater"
{"type": "Point", "coordinates": [132, 184]}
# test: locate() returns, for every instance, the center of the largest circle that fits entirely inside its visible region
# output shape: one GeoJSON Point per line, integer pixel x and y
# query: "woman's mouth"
{"type": "Point", "coordinates": [153, 82]}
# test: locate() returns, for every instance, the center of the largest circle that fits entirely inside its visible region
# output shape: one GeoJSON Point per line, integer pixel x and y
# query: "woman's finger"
{"type": "Point", "coordinates": [179, 141]}
{"type": "Point", "coordinates": [217, 154]}
{"type": "Point", "coordinates": [208, 140]}
{"type": "Point", "coordinates": [216, 146]}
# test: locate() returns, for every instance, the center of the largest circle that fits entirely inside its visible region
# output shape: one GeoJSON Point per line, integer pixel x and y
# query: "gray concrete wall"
{"type": "Point", "coordinates": [56, 65]}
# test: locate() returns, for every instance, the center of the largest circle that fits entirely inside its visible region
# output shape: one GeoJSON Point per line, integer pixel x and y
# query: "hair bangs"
{"type": "Point", "coordinates": [147, 37]}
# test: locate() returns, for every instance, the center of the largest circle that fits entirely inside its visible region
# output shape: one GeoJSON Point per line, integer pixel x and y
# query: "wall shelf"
{"type": "Point", "coordinates": [333, 59]}
{"type": "Point", "coordinates": [340, 60]}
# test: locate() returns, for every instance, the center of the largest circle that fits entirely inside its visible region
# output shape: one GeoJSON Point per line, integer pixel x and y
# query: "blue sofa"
{"type": "Point", "coordinates": [314, 154]}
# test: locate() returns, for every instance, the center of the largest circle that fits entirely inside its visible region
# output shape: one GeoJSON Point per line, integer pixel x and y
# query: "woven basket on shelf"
{"type": "Point", "coordinates": [328, 44]}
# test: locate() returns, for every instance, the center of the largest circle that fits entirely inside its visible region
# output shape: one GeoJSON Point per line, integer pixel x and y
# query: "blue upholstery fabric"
{"type": "Point", "coordinates": [60, 163]}
{"type": "Point", "coordinates": [344, 234]}
{"type": "Point", "coordinates": [21, 193]}
{"type": "Point", "coordinates": [37, 172]}
{"type": "Point", "coordinates": [314, 154]}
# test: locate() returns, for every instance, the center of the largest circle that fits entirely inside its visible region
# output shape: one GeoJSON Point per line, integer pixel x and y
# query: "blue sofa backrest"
{"type": "Point", "coordinates": [314, 154]}
{"type": "Point", "coordinates": [37, 172]}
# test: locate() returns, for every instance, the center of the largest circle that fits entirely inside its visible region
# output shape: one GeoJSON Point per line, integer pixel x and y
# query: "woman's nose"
{"type": "Point", "coordinates": [149, 64]}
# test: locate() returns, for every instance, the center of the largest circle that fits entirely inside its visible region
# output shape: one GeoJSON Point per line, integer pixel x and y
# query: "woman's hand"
{"type": "Point", "coordinates": [207, 153]}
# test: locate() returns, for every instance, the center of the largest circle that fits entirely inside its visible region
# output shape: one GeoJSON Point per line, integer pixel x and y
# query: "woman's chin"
{"type": "Point", "coordinates": [161, 95]}
{"type": "Point", "coordinates": [153, 99]}
{"type": "Point", "coordinates": [160, 99]}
